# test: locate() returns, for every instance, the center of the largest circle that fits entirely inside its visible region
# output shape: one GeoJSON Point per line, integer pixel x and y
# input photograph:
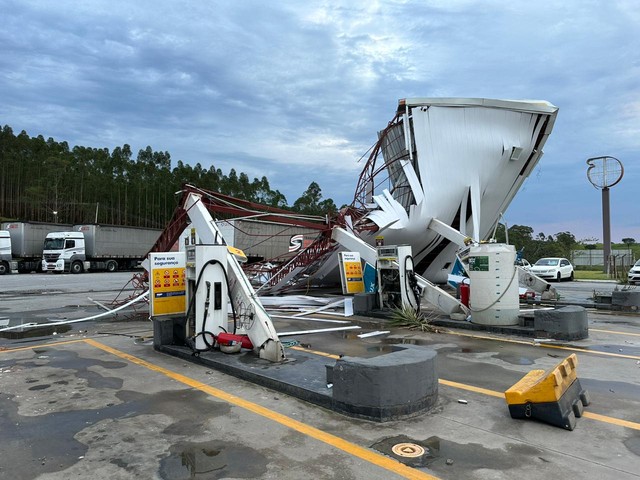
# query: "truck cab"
{"type": "Point", "coordinates": [64, 251]}
{"type": "Point", "coordinates": [5, 252]}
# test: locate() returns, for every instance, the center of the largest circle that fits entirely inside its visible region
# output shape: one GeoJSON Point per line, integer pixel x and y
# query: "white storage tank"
{"type": "Point", "coordinates": [494, 284]}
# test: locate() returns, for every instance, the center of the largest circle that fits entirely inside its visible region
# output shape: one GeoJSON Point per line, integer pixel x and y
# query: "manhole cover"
{"type": "Point", "coordinates": [409, 450]}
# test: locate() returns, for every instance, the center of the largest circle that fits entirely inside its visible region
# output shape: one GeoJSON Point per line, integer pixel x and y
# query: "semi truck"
{"type": "Point", "coordinates": [97, 247]}
{"type": "Point", "coordinates": [21, 245]}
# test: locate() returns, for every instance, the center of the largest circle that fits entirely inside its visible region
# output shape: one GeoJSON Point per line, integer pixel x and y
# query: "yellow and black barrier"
{"type": "Point", "coordinates": [554, 397]}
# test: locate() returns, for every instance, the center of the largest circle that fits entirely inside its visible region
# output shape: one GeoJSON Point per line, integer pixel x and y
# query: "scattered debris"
{"type": "Point", "coordinates": [373, 334]}
{"type": "Point", "coordinates": [321, 330]}
{"type": "Point", "coordinates": [464, 402]}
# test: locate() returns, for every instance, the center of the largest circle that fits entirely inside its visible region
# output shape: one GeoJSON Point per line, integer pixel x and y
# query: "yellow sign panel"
{"type": "Point", "coordinates": [351, 273]}
{"type": "Point", "coordinates": [167, 283]}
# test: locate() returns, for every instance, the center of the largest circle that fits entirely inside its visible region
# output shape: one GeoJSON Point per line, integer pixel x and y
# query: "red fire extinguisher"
{"type": "Point", "coordinates": [465, 293]}
{"type": "Point", "coordinates": [224, 338]}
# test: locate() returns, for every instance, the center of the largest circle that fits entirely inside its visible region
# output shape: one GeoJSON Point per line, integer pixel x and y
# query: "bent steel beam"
{"type": "Point", "coordinates": [256, 322]}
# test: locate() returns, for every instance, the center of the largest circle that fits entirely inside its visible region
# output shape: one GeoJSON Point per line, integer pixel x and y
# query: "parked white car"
{"type": "Point", "coordinates": [553, 269]}
{"type": "Point", "coordinates": [634, 273]}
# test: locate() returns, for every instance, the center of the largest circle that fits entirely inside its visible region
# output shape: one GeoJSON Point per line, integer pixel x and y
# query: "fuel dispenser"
{"type": "Point", "coordinates": [213, 280]}
{"type": "Point", "coordinates": [207, 293]}
{"type": "Point", "coordinates": [397, 283]}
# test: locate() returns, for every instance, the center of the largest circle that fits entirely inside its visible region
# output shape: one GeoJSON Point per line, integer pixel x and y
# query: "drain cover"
{"type": "Point", "coordinates": [408, 450]}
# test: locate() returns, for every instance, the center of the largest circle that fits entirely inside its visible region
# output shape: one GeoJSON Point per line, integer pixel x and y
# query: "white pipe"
{"type": "Point", "coordinates": [373, 334]}
{"type": "Point", "coordinates": [93, 317]}
{"type": "Point", "coordinates": [321, 330]}
{"type": "Point", "coordinates": [310, 319]}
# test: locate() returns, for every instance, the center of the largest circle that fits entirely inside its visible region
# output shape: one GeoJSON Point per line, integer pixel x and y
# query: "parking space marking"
{"type": "Point", "coordinates": [613, 420]}
{"type": "Point", "coordinates": [328, 438]}
{"type": "Point", "coordinates": [316, 352]}
{"type": "Point", "coordinates": [544, 345]}
{"type": "Point", "coordinates": [471, 388]}
{"type": "Point", "coordinates": [615, 332]}
{"type": "Point", "coordinates": [40, 345]}
{"type": "Point", "coordinates": [495, 393]}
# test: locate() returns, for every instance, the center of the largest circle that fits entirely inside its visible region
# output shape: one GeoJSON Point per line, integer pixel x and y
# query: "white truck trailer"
{"type": "Point", "coordinates": [21, 245]}
{"type": "Point", "coordinates": [97, 247]}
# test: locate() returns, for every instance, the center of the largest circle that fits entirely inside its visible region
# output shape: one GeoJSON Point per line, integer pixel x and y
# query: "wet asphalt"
{"type": "Point", "coordinates": [97, 401]}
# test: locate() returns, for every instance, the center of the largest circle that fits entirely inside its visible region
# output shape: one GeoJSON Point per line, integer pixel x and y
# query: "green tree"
{"type": "Point", "coordinates": [39, 176]}
{"type": "Point", "coordinates": [566, 242]}
{"type": "Point", "coordinates": [308, 203]}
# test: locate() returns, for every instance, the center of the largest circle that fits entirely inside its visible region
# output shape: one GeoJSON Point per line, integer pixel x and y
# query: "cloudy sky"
{"type": "Point", "coordinates": [297, 90]}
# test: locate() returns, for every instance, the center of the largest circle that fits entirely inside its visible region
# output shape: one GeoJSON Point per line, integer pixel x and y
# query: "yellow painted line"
{"type": "Point", "coordinates": [332, 440]}
{"type": "Point", "coordinates": [595, 352]}
{"type": "Point", "coordinates": [471, 388]}
{"type": "Point", "coordinates": [494, 393]}
{"type": "Point", "coordinates": [39, 345]}
{"type": "Point", "coordinates": [317, 352]}
{"type": "Point", "coordinates": [615, 421]}
{"type": "Point", "coordinates": [615, 332]}
{"type": "Point", "coordinates": [545, 345]}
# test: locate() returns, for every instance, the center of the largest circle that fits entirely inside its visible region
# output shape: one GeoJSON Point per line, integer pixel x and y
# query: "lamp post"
{"type": "Point", "coordinates": [604, 173]}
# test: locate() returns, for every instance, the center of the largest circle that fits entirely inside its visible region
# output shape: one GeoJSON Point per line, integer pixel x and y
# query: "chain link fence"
{"type": "Point", "coordinates": [620, 261]}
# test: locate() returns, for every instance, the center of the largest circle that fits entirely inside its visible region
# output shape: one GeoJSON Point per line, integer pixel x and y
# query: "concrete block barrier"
{"type": "Point", "coordinates": [399, 384]}
{"type": "Point", "coordinates": [168, 331]}
{"type": "Point", "coordinates": [626, 299]}
{"type": "Point", "coordinates": [566, 323]}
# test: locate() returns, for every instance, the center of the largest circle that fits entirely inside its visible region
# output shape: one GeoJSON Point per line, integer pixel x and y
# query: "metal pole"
{"type": "Point", "coordinates": [606, 229]}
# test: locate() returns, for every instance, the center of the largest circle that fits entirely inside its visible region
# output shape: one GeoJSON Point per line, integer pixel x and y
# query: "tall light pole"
{"type": "Point", "coordinates": [604, 173]}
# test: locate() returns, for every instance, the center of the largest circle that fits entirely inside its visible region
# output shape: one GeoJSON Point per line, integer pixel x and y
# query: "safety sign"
{"type": "Point", "coordinates": [351, 273]}
{"type": "Point", "coordinates": [167, 283]}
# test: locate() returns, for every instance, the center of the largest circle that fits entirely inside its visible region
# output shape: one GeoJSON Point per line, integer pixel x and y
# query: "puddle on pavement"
{"type": "Point", "coordinates": [514, 359]}
{"type": "Point", "coordinates": [384, 348]}
{"type": "Point", "coordinates": [213, 460]}
{"type": "Point", "coordinates": [349, 335]}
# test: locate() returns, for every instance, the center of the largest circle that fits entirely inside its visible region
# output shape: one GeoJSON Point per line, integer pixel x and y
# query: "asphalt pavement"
{"type": "Point", "coordinates": [97, 401]}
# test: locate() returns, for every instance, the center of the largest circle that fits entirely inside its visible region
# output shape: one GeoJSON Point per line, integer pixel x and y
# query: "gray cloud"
{"type": "Point", "coordinates": [297, 91]}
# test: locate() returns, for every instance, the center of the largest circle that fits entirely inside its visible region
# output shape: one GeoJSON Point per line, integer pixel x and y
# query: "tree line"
{"type": "Point", "coordinates": [538, 246]}
{"type": "Point", "coordinates": [46, 180]}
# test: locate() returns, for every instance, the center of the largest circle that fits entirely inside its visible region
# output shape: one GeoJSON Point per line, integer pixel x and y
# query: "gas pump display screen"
{"type": "Point", "coordinates": [387, 253]}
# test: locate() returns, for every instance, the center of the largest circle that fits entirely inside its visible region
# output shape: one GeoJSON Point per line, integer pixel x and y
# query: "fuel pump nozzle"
{"type": "Point", "coordinates": [207, 301]}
